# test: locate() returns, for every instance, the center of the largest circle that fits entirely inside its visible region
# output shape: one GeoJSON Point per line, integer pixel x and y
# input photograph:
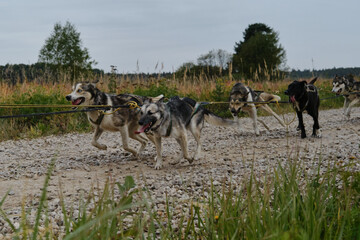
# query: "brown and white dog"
{"type": "Point", "coordinates": [124, 120]}
{"type": "Point", "coordinates": [241, 94]}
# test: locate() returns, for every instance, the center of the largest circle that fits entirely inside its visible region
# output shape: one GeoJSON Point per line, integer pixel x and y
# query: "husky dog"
{"type": "Point", "coordinates": [124, 120]}
{"type": "Point", "coordinates": [304, 96]}
{"type": "Point", "coordinates": [344, 85]}
{"type": "Point", "coordinates": [240, 94]}
{"type": "Point", "coordinates": [172, 119]}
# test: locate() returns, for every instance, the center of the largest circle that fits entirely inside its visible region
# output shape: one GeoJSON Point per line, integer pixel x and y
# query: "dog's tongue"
{"type": "Point", "coordinates": [292, 99]}
{"type": "Point", "coordinates": [142, 129]}
{"type": "Point", "coordinates": [76, 102]}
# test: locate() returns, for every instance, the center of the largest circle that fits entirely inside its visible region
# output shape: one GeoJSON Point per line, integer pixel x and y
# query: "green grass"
{"type": "Point", "coordinates": [285, 203]}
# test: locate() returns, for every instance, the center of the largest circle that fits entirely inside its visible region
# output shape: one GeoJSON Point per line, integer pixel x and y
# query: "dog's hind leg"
{"type": "Point", "coordinates": [269, 110]}
{"type": "Point", "coordinates": [264, 124]}
{"type": "Point", "coordinates": [125, 141]}
{"type": "Point", "coordinates": [182, 141]}
{"type": "Point", "coordinates": [316, 127]}
{"type": "Point", "coordinates": [94, 142]}
{"type": "Point", "coordinates": [196, 132]}
{"type": "Point", "coordinates": [253, 115]}
{"type": "Point", "coordinates": [355, 101]}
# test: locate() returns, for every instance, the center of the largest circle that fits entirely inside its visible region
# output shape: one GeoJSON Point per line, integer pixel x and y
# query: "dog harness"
{"type": "Point", "coordinates": [98, 120]}
{"type": "Point", "coordinates": [308, 88]}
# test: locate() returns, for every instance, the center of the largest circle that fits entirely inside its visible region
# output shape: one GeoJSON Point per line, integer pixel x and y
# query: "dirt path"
{"type": "Point", "coordinates": [227, 154]}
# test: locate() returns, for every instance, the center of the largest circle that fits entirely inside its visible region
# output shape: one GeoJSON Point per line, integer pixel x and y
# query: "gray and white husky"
{"type": "Point", "coordinates": [240, 94]}
{"type": "Point", "coordinates": [124, 120]}
{"type": "Point", "coordinates": [172, 119]}
{"type": "Point", "coordinates": [350, 89]}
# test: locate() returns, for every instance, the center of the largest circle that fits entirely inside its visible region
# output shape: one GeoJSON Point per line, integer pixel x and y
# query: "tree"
{"type": "Point", "coordinates": [63, 51]}
{"type": "Point", "coordinates": [260, 55]}
{"type": "Point", "coordinates": [219, 58]}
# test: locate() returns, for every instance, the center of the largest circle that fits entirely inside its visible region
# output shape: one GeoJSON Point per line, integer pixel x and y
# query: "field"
{"type": "Point", "coordinates": [277, 186]}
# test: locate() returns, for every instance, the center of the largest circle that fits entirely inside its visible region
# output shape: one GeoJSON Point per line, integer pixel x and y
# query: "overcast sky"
{"type": "Point", "coordinates": [314, 33]}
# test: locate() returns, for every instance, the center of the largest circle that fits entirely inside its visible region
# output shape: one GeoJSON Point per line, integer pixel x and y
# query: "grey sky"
{"type": "Point", "coordinates": [123, 32]}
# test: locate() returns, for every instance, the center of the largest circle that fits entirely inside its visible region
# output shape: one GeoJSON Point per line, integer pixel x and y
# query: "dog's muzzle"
{"type": "Point", "coordinates": [145, 126]}
{"type": "Point", "coordinates": [75, 102]}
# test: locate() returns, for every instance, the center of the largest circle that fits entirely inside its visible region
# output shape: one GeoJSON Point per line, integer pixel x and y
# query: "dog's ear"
{"type": "Point", "coordinates": [313, 80]}
{"type": "Point", "coordinates": [94, 83]}
{"type": "Point", "coordinates": [158, 98]}
{"type": "Point", "coordinates": [161, 100]}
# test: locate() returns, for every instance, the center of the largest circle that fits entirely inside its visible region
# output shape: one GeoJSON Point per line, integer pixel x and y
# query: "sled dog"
{"type": "Point", "coordinates": [240, 94]}
{"type": "Point", "coordinates": [172, 119]}
{"type": "Point", "coordinates": [124, 120]}
{"type": "Point", "coordinates": [350, 89]}
{"type": "Point", "coordinates": [304, 97]}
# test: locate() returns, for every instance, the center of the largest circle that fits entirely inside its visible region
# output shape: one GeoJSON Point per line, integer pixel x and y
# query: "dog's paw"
{"type": "Point", "coordinates": [158, 164]}
{"type": "Point", "coordinates": [317, 134]}
{"type": "Point", "coordinates": [303, 135]}
{"type": "Point", "coordinates": [176, 161]}
{"type": "Point", "coordinates": [100, 146]}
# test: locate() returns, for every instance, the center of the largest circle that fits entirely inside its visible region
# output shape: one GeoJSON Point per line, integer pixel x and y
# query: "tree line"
{"type": "Point", "coordinates": [41, 72]}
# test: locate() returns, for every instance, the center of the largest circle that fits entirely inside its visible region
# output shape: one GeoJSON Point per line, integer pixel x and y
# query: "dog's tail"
{"type": "Point", "coordinates": [215, 120]}
{"type": "Point", "coordinates": [203, 113]}
{"type": "Point", "coordinates": [268, 97]}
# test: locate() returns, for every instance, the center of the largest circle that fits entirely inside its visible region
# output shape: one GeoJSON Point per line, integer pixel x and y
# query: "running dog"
{"type": "Point", "coordinates": [172, 119]}
{"type": "Point", "coordinates": [241, 94]}
{"type": "Point", "coordinates": [350, 89]}
{"type": "Point", "coordinates": [304, 96]}
{"type": "Point", "coordinates": [124, 120]}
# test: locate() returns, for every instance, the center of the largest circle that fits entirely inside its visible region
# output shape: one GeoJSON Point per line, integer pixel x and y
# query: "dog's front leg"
{"type": "Point", "coordinates": [94, 142]}
{"type": "Point", "coordinates": [346, 105]}
{"type": "Point", "coordinates": [301, 124]}
{"type": "Point", "coordinates": [125, 141]}
{"type": "Point", "coordinates": [253, 115]}
{"type": "Point", "coordinates": [158, 158]}
{"type": "Point", "coordinates": [237, 120]}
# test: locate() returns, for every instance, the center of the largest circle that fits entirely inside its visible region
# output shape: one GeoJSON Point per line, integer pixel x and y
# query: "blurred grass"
{"type": "Point", "coordinates": [287, 202]}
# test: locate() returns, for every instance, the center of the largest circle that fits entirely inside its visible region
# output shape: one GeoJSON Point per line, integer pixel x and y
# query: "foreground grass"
{"type": "Point", "coordinates": [214, 90]}
{"type": "Point", "coordinates": [287, 203]}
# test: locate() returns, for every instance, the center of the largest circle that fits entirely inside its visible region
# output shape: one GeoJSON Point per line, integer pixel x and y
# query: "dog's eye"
{"type": "Point", "coordinates": [79, 90]}
{"type": "Point", "coordinates": [150, 113]}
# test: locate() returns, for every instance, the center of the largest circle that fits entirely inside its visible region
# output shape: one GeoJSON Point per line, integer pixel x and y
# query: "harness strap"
{"type": "Point", "coordinates": [99, 119]}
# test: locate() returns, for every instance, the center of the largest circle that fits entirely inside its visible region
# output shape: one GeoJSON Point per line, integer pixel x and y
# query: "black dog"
{"type": "Point", "coordinates": [305, 96]}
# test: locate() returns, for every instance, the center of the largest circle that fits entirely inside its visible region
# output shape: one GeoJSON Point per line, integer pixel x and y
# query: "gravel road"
{"type": "Point", "coordinates": [228, 154]}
